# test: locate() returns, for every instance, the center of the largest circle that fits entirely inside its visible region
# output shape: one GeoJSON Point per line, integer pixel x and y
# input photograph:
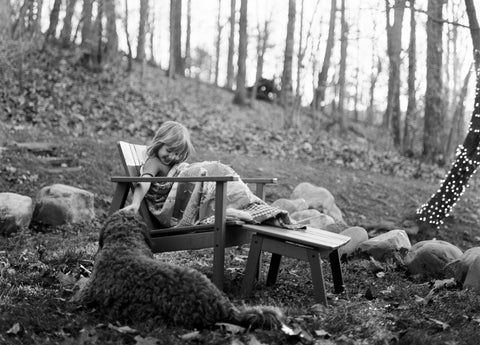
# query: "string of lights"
{"type": "Point", "coordinates": [467, 159]}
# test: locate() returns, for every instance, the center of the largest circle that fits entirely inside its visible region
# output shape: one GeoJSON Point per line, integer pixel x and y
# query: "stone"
{"type": "Point", "coordinates": [472, 280]}
{"type": "Point", "coordinates": [59, 204]}
{"type": "Point", "coordinates": [459, 268]}
{"type": "Point", "coordinates": [15, 212]}
{"type": "Point", "coordinates": [385, 245]}
{"type": "Point", "coordinates": [318, 198]}
{"type": "Point", "coordinates": [291, 206]}
{"type": "Point", "coordinates": [427, 259]}
{"type": "Point", "coordinates": [313, 218]}
{"type": "Point", "coordinates": [357, 236]}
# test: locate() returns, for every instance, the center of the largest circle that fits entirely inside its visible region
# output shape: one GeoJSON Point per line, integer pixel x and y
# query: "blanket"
{"type": "Point", "coordinates": [191, 203]}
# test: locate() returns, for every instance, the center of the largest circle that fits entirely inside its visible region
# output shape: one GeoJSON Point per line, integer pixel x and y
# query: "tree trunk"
{"type": "Point", "coordinates": [127, 37]}
{"type": "Point", "coordinates": [240, 93]}
{"type": "Point", "coordinates": [142, 24]}
{"type": "Point", "coordinates": [343, 68]}
{"type": "Point", "coordinates": [176, 61]}
{"type": "Point", "coordinates": [5, 19]}
{"type": "Point", "coordinates": [52, 27]}
{"type": "Point", "coordinates": [66, 33]}
{"type": "Point", "coordinates": [188, 56]}
{"type": "Point", "coordinates": [231, 46]}
{"type": "Point", "coordinates": [394, 48]}
{"type": "Point", "coordinates": [87, 41]}
{"type": "Point", "coordinates": [433, 213]}
{"type": "Point", "coordinates": [111, 48]}
{"type": "Point", "coordinates": [217, 43]}
{"type": "Point", "coordinates": [434, 117]}
{"type": "Point", "coordinates": [262, 44]}
{"type": "Point", "coordinates": [412, 68]}
{"type": "Point", "coordinates": [323, 75]}
{"type": "Point", "coordinates": [287, 88]}
{"type": "Point", "coordinates": [300, 50]}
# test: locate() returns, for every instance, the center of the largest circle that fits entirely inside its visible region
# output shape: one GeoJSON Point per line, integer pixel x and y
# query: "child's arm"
{"type": "Point", "coordinates": [152, 167]}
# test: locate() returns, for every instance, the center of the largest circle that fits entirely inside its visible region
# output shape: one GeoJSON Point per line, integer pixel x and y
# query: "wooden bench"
{"type": "Point", "coordinates": [310, 244]}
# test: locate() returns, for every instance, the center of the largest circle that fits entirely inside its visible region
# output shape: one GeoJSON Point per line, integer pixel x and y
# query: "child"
{"type": "Point", "coordinates": [170, 146]}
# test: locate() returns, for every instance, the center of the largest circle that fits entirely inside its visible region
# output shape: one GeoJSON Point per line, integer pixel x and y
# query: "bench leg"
{"type": "Point", "coordinates": [336, 272]}
{"type": "Point", "coordinates": [273, 270]}
{"type": "Point", "coordinates": [317, 276]}
{"type": "Point", "coordinates": [252, 265]}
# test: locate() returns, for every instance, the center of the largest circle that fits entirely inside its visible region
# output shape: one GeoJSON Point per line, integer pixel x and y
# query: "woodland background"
{"type": "Point", "coordinates": [373, 98]}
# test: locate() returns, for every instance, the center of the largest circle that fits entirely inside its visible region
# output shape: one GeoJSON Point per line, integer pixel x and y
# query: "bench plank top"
{"type": "Point", "coordinates": [312, 237]}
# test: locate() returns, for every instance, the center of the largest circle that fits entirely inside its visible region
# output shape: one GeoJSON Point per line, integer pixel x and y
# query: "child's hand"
{"type": "Point", "coordinates": [130, 208]}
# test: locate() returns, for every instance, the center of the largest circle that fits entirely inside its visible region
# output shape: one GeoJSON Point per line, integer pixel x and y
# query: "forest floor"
{"type": "Point", "coordinates": [83, 114]}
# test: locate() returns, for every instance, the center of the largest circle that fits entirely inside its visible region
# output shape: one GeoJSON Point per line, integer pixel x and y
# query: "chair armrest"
{"type": "Point", "coordinates": [270, 180]}
{"type": "Point", "coordinates": [174, 179]}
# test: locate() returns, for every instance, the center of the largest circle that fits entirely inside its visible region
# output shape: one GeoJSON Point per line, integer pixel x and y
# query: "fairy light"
{"type": "Point", "coordinates": [456, 180]}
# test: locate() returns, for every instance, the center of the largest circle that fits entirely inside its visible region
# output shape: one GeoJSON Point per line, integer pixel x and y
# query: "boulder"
{"type": "Point", "coordinates": [358, 235]}
{"type": "Point", "coordinates": [313, 218]}
{"type": "Point", "coordinates": [15, 212]}
{"type": "Point", "coordinates": [385, 245]}
{"type": "Point", "coordinates": [427, 259]}
{"type": "Point", "coordinates": [291, 206]}
{"type": "Point", "coordinates": [472, 280]}
{"type": "Point", "coordinates": [318, 198]}
{"type": "Point", "coordinates": [59, 204]}
{"type": "Point", "coordinates": [460, 268]}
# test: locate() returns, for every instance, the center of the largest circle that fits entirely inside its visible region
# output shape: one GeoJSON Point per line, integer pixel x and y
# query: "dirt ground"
{"type": "Point", "coordinates": [40, 266]}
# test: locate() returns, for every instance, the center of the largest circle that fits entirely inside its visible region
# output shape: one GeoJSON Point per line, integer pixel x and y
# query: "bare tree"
{"type": "Point", "coordinates": [142, 24]}
{"type": "Point", "coordinates": [319, 96]}
{"type": "Point", "coordinates": [176, 65]}
{"type": "Point", "coordinates": [188, 34]}
{"type": "Point", "coordinates": [5, 19]}
{"type": "Point", "coordinates": [52, 27]}
{"type": "Point", "coordinates": [87, 30]}
{"type": "Point", "coordinates": [287, 87]}
{"type": "Point", "coordinates": [412, 68]}
{"type": "Point", "coordinates": [66, 33]}
{"type": "Point", "coordinates": [434, 116]}
{"type": "Point", "coordinates": [343, 68]}
{"type": "Point", "coordinates": [127, 37]}
{"type": "Point", "coordinates": [240, 93]}
{"type": "Point", "coordinates": [392, 115]}
{"type": "Point", "coordinates": [217, 42]}
{"type": "Point", "coordinates": [111, 48]}
{"type": "Point", "coordinates": [467, 160]}
{"type": "Point", "coordinates": [231, 46]}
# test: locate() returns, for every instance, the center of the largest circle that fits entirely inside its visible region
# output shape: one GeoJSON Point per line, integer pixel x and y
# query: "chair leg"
{"type": "Point", "coordinates": [336, 272]}
{"type": "Point", "coordinates": [317, 276]}
{"type": "Point", "coordinates": [273, 270]}
{"type": "Point", "coordinates": [252, 265]}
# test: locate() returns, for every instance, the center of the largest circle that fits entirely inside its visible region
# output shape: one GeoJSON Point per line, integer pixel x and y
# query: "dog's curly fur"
{"type": "Point", "coordinates": [128, 283]}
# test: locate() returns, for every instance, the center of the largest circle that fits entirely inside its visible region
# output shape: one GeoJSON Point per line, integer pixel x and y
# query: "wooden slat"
{"type": "Point", "coordinates": [272, 180]}
{"type": "Point", "coordinates": [309, 237]}
{"type": "Point", "coordinates": [174, 179]}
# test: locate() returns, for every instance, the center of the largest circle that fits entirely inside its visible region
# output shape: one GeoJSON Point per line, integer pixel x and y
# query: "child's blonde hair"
{"type": "Point", "coordinates": [176, 137]}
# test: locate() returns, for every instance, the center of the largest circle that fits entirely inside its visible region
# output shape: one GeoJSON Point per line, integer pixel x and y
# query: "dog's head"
{"type": "Point", "coordinates": [124, 227]}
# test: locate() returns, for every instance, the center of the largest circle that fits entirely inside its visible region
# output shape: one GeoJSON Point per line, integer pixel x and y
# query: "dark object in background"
{"type": "Point", "coordinates": [267, 90]}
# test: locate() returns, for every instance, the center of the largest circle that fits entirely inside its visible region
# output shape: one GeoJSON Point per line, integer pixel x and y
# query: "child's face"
{"type": "Point", "coordinates": [167, 155]}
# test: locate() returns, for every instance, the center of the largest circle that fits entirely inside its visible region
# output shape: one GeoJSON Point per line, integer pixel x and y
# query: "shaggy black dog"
{"type": "Point", "coordinates": [128, 283]}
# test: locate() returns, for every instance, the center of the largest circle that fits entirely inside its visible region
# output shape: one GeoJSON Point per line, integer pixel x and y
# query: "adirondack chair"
{"type": "Point", "coordinates": [187, 237]}
{"type": "Point", "coordinates": [311, 245]}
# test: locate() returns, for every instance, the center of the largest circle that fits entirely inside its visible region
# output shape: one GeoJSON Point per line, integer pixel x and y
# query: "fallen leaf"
{"type": "Point", "coordinates": [190, 336]}
{"type": "Point", "coordinates": [146, 341]}
{"type": "Point", "coordinates": [15, 329]}
{"type": "Point", "coordinates": [322, 333]}
{"type": "Point", "coordinates": [230, 328]}
{"type": "Point", "coordinates": [441, 324]}
{"type": "Point", "coordinates": [123, 329]}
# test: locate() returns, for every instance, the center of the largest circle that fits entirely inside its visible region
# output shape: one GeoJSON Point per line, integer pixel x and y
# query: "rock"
{"type": "Point", "coordinates": [291, 206]}
{"type": "Point", "coordinates": [385, 245]}
{"type": "Point", "coordinates": [318, 198]}
{"type": "Point", "coordinates": [460, 267]}
{"type": "Point", "coordinates": [358, 235]}
{"type": "Point", "coordinates": [59, 204]}
{"type": "Point", "coordinates": [472, 280]}
{"type": "Point", "coordinates": [15, 212]}
{"type": "Point", "coordinates": [313, 218]}
{"type": "Point", "coordinates": [336, 227]}
{"type": "Point", "coordinates": [427, 259]}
